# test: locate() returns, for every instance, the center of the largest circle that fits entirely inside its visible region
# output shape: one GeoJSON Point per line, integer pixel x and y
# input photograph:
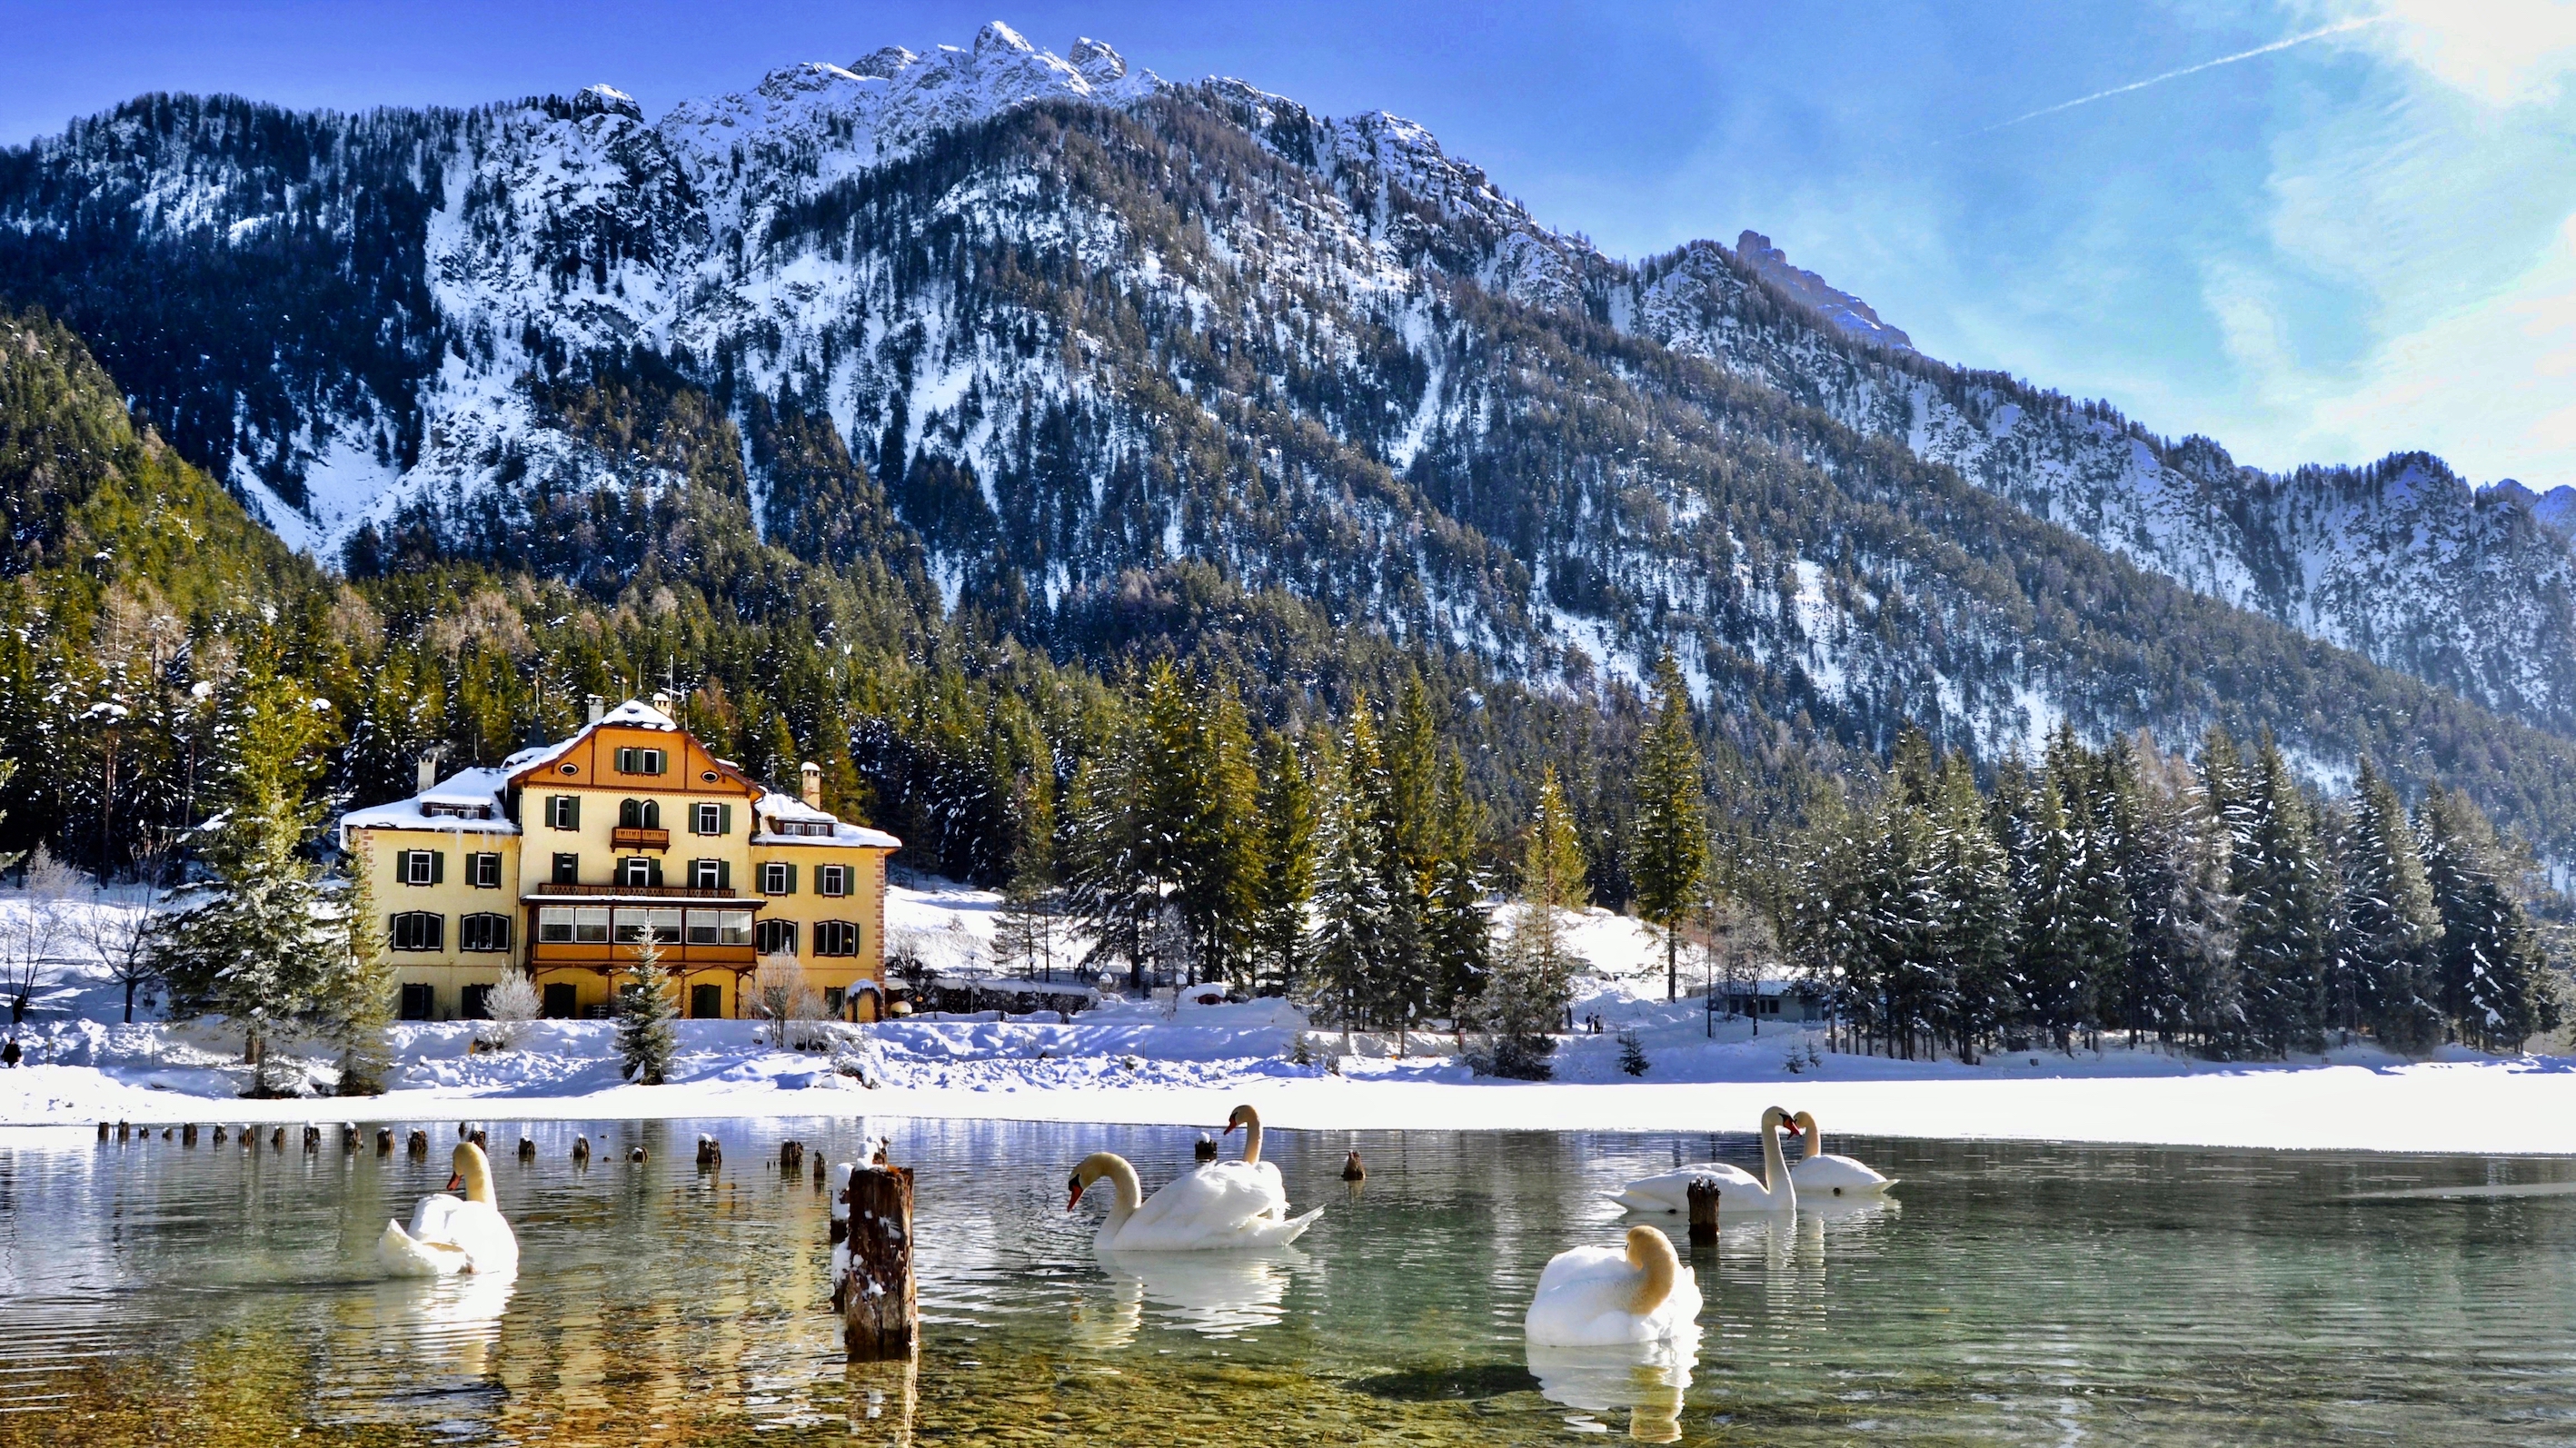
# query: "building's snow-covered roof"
{"type": "Point", "coordinates": [477, 788]}
{"type": "Point", "coordinates": [485, 787]}
{"type": "Point", "coordinates": [778, 805]}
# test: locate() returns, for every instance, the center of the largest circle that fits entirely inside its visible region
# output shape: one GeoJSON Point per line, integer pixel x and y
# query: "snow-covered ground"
{"type": "Point", "coordinates": [1187, 1064]}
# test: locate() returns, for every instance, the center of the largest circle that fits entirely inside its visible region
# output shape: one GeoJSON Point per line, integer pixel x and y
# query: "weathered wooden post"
{"type": "Point", "coordinates": [348, 1137]}
{"type": "Point", "coordinates": [1703, 1210]}
{"type": "Point", "coordinates": [418, 1144]}
{"type": "Point", "coordinates": [189, 1136]}
{"type": "Point", "coordinates": [818, 1176]}
{"type": "Point", "coordinates": [527, 1148]}
{"type": "Point", "coordinates": [791, 1157]}
{"type": "Point", "coordinates": [878, 1309]}
{"type": "Point", "coordinates": [124, 1131]}
{"type": "Point", "coordinates": [220, 1133]}
{"type": "Point", "coordinates": [1352, 1171]}
{"type": "Point", "coordinates": [384, 1141]}
{"type": "Point", "coordinates": [635, 1154]}
{"type": "Point", "coordinates": [581, 1151]}
{"type": "Point", "coordinates": [165, 1133]}
{"type": "Point", "coordinates": [102, 1131]}
{"type": "Point", "coordinates": [1205, 1151]}
{"type": "Point", "coordinates": [312, 1138]}
{"type": "Point", "coordinates": [710, 1152]}
{"type": "Point", "coordinates": [277, 1138]}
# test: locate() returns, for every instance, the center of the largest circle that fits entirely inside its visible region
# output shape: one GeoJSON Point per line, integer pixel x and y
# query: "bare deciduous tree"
{"type": "Point", "coordinates": [29, 959]}
{"type": "Point", "coordinates": [511, 1005]}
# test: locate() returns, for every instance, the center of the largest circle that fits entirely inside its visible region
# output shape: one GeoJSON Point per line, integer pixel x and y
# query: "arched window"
{"type": "Point", "coordinates": [639, 814]}
{"type": "Point", "coordinates": [417, 930]}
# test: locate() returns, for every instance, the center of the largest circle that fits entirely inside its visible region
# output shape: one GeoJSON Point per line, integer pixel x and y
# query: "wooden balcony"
{"type": "Point", "coordinates": [622, 838]}
{"type": "Point", "coordinates": [642, 892]}
{"type": "Point", "coordinates": [608, 959]}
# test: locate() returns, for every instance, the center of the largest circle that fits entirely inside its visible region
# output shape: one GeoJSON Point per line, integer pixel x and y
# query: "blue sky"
{"type": "Point", "coordinates": [2326, 251]}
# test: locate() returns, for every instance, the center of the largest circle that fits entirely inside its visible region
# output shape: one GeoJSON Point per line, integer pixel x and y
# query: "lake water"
{"type": "Point", "coordinates": [155, 1293]}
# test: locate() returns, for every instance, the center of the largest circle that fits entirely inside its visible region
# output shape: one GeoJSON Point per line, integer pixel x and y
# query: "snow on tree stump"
{"type": "Point", "coordinates": [873, 1264]}
{"type": "Point", "coordinates": [384, 1141]}
{"type": "Point", "coordinates": [220, 1133]}
{"type": "Point", "coordinates": [418, 1145]}
{"type": "Point", "coordinates": [312, 1138]}
{"type": "Point", "coordinates": [189, 1136]}
{"type": "Point", "coordinates": [1206, 1149]}
{"type": "Point", "coordinates": [710, 1153]}
{"type": "Point", "coordinates": [581, 1151]}
{"type": "Point", "coordinates": [1703, 1210]}
{"type": "Point", "coordinates": [348, 1137]}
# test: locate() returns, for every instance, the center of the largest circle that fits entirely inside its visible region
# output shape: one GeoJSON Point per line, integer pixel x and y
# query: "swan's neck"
{"type": "Point", "coordinates": [1131, 1194]}
{"type": "Point", "coordinates": [478, 1182]}
{"type": "Point", "coordinates": [1658, 1266]}
{"type": "Point", "coordinates": [1815, 1142]}
{"type": "Point", "coordinates": [1775, 1168]}
{"type": "Point", "coordinates": [1251, 1137]}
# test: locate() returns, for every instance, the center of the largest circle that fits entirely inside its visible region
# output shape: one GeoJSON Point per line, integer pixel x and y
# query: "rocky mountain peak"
{"type": "Point", "coordinates": [1847, 312]}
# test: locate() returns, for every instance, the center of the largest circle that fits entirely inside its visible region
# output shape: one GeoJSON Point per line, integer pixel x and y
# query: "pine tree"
{"type": "Point", "coordinates": [1632, 1053]}
{"type": "Point", "coordinates": [1974, 929]}
{"type": "Point", "coordinates": [1286, 807]}
{"type": "Point", "coordinates": [1532, 983]}
{"type": "Point", "coordinates": [1351, 909]}
{"type": "Point", "coordinates": [1024, 931]}
{"type": "Point", "coordinates": [1404, 799]}
{"type": "Point", "coordinates": [2285, 918]}
{"type": "Point", "coordinates": [361, 1002]}
{"type": "Point", "coordinates": [252, 942]}
{"type": "Point", "coordinates": [646, 1006]}
{"type": "Point", "coordinates": [2391, 925]}
{"type": "Point", "coordinates": [1113, 867]}
{"type": "Point", "coordinates": [1219, 867]}
{"type": "Point", "coordinates": [2049, 958]}
{"type": "Point", "coordinates": [1671, 847]}
{"type": "Point", "coordinates": [2489, 977]}
{"type": "Point", "coordinates": [1458, 933]}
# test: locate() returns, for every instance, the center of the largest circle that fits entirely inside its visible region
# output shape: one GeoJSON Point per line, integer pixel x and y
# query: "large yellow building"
{"type": "Point", "coordinates": [567, 860]}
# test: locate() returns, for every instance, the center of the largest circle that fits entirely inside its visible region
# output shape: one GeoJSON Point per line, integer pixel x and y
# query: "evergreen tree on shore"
{"type": "Point", "coordinates": [1671, 849]}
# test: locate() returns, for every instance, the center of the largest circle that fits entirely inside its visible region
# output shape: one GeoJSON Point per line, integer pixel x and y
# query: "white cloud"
{"type": "Point", "coordinates": [2502, 52]}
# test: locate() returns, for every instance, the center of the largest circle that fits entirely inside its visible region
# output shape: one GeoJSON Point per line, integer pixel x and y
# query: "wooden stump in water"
{"type": "Point", "coordinates": [348, 1136]}
{"type": "Point", "coordinates": [165, 1133]}
{"type": "Point", "coordinates": [1352, 1171]}
{"type": "Point", "coordinates": [418, 1145]}
{"type": "Point", "coordinates": [791, 1157]}
{"type": "Point", "coordinates": [581, 1151]}
{"type": "Point", "coordinates": [277, 1138]}
{"type": "Point", "coordinates": [1703, 1210]}
{"type": "Point", "coordinates": [710, 1153]}
{"type": "Point", "coordinates": [189, 1136]}
{"type": "Point", "coordinates": [312, 1138]}
{"type": "Point", "coordinates": [102, 1131]}
{"type": "Point", "coordinates": [635, 1154]}
{"type": "Point", "coordinates": [384, 1141]}
{"type": "Point", "coordinates": [818, 1175]}
{"type": "Point", "coordinates": [527, 1148]}
{"type": "Point", "coordinates": [1206, 1149]}
{"type": "Point", "coordinates": [124, 1131]}
{"type": "Point", "coordinates": [219, 1133]}
{"type": "Point", "coordinates": [879, 1311]}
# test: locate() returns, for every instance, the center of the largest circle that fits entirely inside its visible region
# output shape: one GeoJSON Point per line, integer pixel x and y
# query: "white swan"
{"type": "Point", "coordinates": [1598, 1296]}
{"type": "Point", "coordinates": [1821, 1175]}
{"type": "Point", "coordinates": [1196, 1211]}
{"type": "Point", "coordinates": [1738, 1190]}
{"type": "Point", "coordinates": [1251, 1173]}
{"type": "Point", "coordinates": [452, 1235]}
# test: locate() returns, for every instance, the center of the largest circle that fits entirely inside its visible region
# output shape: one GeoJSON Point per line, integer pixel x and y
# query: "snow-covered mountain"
{"type": "Point", "coordinates": [1088, 326]}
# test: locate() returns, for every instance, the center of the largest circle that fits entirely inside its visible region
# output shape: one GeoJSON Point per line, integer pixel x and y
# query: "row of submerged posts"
{"type": "Point", "coordinates": [871, 1213]}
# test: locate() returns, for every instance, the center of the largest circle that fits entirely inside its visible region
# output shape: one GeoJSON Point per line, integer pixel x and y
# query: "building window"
{"type": "Point", "coordinates": [639, 870]}
{"type": "Point", "coordinates": [422, 867]}
{"type": "Point", "coordinates": [711, 819]}
{"type": "Point", "coordinates": [777, 937]}
{"type": "Point", "coordinates": [711, 874]}
{"type": "Point", "coordinates": [561, 1000]}
{"type": "Point", "coordinates": [563, 811]}
{"type": "Point", "coordinates": [419, 1002]}
{"type": "Point", "coordinates": [777, 878]}
{"type": "Point", "coordinates": [719, 927]}
{"type": "Point", "coordinates": [484, 870]}
{"type": "Point", "coordinates": [648, 927]}
{"type": "Point", "coordinates": [833, 999]}
{"type": "Point", "coordinates": [836, 937]}
{"type": "Point", "coordinates": [476, 1003]}
{"type": "Point", "coordinates": [567, 868]}
{"type": "Point", "coordinates": [418, 930]}
{"type": "Point", "coordinates": [639, 814]}
{"type": "Point", "coordinates": [639, 761]}
{"type": "Point", "coordinates": [831, 879]}
{"type": "Point", "coordinates": [572, 925]}
{"type": "Point", "coordinates": [706, 1002]}
{"type": "Point", "coordinates": [485, 931]}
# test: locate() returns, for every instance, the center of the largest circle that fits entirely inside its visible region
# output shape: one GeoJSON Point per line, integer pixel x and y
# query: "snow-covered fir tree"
{"type": "Point", "coordinates": [647, 1004]}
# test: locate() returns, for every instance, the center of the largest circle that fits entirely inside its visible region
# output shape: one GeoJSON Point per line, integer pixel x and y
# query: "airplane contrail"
{"type": "Point", "coordinates": [2137, 85]}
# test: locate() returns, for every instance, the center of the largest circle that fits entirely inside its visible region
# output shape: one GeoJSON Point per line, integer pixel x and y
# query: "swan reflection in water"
{"type": "Point", "coordinates": [1215, 1294]}
{"type": "Point", "coordinates": [1647, 1379]}
{"type": "Point", "coordinates": [444, 1325]}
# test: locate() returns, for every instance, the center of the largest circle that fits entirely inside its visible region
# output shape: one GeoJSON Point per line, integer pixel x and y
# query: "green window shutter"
{"type": "Point", "coordinates": [654, 865]}
{"type": "Point", "coordinates": [724, 819]}
{"type": "Point", "coordinates": [724, 874]}
{"type": "Point", "coordinates": [438, 867]}
{"type": "Point", "coordinates": [791, 877]}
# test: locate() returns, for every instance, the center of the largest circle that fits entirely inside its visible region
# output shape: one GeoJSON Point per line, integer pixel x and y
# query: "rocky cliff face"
{"type": "Point", "coordinates": [1092, 330]}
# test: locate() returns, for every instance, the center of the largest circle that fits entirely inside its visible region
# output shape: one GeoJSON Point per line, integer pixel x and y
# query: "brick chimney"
{"type": "Point", "coordinates": [809, 777]}
{"type": "Point", "coordinates": [662, 701]}
{"type": "Point", "coordinates": [598, 706]}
